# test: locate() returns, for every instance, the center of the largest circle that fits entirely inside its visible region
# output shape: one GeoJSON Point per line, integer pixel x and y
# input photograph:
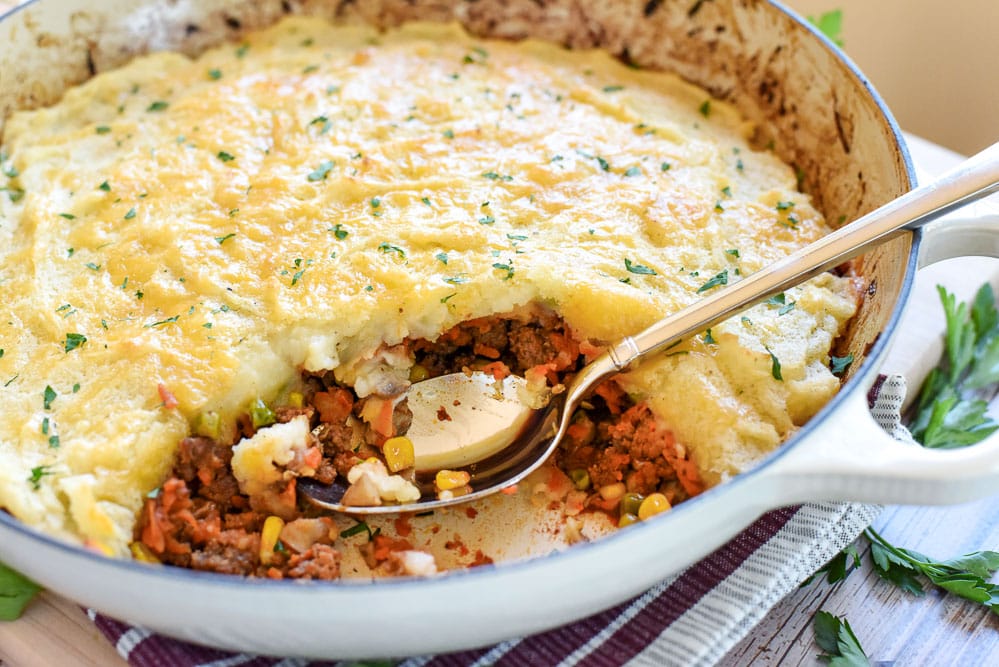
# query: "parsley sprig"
{"type": "Point", "coordinates": [834, 635]}
{"type": "Point", "coordinates": [950, 411]}
{"type": "Point", "coordinates": [16, 592]}
{"type": "Point", "coordinates": [965, 576]}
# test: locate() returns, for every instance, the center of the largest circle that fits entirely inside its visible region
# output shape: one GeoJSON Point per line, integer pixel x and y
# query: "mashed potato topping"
{"type": "Point", "coordinates": [181, 237]}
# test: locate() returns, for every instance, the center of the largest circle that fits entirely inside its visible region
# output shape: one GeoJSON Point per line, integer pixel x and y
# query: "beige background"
{"type": "Point", "coordinates": [936, 63]}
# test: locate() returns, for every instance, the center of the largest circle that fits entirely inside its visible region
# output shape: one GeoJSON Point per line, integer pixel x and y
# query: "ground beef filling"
{"type": "Point", "coordinates": [200, 519]}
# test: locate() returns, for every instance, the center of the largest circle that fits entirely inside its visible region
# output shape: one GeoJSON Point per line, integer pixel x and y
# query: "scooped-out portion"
{"type": "Point", "coordinates": [220, 274]}
{"type": "Point", "coordinates": [231, 504]}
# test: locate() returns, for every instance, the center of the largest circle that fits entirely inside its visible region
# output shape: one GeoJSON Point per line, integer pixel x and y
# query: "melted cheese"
{"type": "Point", "coordinates": [212, 226]}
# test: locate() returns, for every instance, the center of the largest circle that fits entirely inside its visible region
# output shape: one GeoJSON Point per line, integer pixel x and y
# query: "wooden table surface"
{"type": "Point", "coordinates": [893, 627]}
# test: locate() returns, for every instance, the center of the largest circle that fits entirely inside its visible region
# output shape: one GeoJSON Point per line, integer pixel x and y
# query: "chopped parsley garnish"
{"type": "Point", "coordinates": [441, 257]}
{"type": "Point", "coordinates": [1, 353]}
{"type": "Point", "coordinates": [612, 89]}
{"type": "Point", "coordinates": [74, 340]}
{"type": "Point", "coordinates": [322, 171]}
{"type": "Point", "coordinates": [638, 268]}
{"type": "Point", "coordinates": [324, 121]}
{"type": "Point", "coordinates": [448, 297]}
{"type": "Point", "coordinates": [105, 186]}
{"type": "Point", "coordinates": [449, 134]}
{"type": "Point", "coordinates": [780, 301]}
{"type": "Point", "coordinates": [705, 108]}
{"type": "Point", "coordinates": [604, 164]}
{"type": "Point", "coordinates": [226, 157]}
{"type": "Point", "coordinates": [457, 280]}
{"type": "Point", "coordinates": [734, 252]}
{"type": "Point", "coordinates": [339, 232]}
{"type": "Point", "coordinates": [214, 74]}
{"type": "Point", "coordinates": [785, 205]}
{"type": "Point", "coordinates": [375, 202]}
{"type": "Point", "coordinates": [53, 441]}
{"type": "Point", "coordinates": [168, 320]}
{"type": "Point", "coordinates": [159, 105]}
{"type": "Point", "coordinates": [633, 171]}
{"type": "Point", "coordinates": [36, 476]}
{"type": "Point", "coordinates": [222, 239]}
{"type": "Point", "coordinates": [838, 365]}
{"type": "Point", "coordinates": [709, 339]}
{"type": "Point", "coordinates": [493, 176]}
{"type": "Point", "coordinates": [102, 129]}
{"type": "Point", "coordinates": [508, 268]}
{"type": "Point", "coordinates": [720, 279]}
{"type": "Point", "coordinates": [356, 529]}
{"type": "Point", "coordinates": [130, 214]}
{"type": "Point", "coordinates": [664, 166]}
{"type": "Point", "coordinates": [48, 396]}
{"type": "Point", "coordinates": [388, 247]}
{"type": "Point", "coordinates": [241, 51]}
{"type": "Point", "coordinates": [425, 200]}
{"type": "Point", "coordinates": [487, 220]}
{"type": "Point", "coordinates": [727, 191]}
{"type": "Point", "coordinates": [774, 365]}
{"type": "Point", "coordinates": [516, 237]}
{"type": "Point", "coordinates": [68, 216]}
{"type": "Point", "coordinates": [92, 266]}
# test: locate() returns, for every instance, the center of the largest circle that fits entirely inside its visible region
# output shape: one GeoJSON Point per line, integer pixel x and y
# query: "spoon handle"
{"type": "Point", "coordinates": [973, 179]}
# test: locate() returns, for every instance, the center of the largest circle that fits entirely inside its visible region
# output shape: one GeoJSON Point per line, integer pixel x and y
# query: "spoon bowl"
{"type": "Point", "coordinates": [516, 451]}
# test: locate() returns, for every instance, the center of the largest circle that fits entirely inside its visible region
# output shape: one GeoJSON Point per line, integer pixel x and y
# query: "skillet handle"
{"type": "Point", "coordinates": [850, 457]}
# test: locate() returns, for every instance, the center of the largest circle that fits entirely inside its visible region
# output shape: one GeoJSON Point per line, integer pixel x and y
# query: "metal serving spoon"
{"type": "Point", "coordinates": [499, 440]}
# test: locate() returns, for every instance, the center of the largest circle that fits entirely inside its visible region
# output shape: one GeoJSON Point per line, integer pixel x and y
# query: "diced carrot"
{"type": "Point", "coordinates": [497, 369]}
{"type": "Point", "coordinates": [287, 497]}
{"type": "Point", "coordinates": [152, 532]}
{"type": "Point", "coordinates": [334, 406]}
{"type": "Point", "coordinates": [612, 394]}
{"type": "Point", "coordinates": [581, 431]}
{"type": "Point", "coordinates": [383, 422]}
{"type": "Point", "coordinates": [589, 350]}
{"type": "Point", "coordinates": [312, 458]}
{"type": "Point", "coordinates": [486, 351]}
{"type": "Point", "coordinates": [169, 400]}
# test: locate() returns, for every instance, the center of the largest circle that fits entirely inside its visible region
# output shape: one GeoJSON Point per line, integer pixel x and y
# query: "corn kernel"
{"type": "Point", "coordinates": [449, 494]}
{"type": "Point", "coordinates": [296, 400]}
{"type": "Point", "coordinates": [142, 553]}
{"type": "Point", "coordinates": [447, 480]}
{"type": "Point", "coordinates": [612, 491]}
{"type": "Point", "coordinates": [654, 503]}
{"type": "Point", "coordinates": [399, 453]}
{"type": "Point", "coordinates": [418, 373]}
{"type": "Point", "coordinates": [269, 537]}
